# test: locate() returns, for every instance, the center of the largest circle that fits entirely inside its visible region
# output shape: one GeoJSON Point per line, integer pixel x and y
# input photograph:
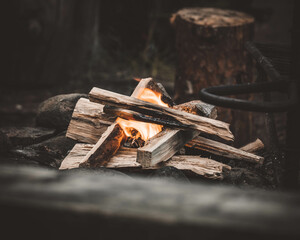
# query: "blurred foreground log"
{"type": "Point", "coordinates": [87, 206]}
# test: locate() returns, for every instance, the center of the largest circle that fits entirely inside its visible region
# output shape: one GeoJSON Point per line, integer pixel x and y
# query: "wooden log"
{"type": "Point", "coordinates": [198, 107]}
{"type": "Point", "coordinates": [89, 133]}
{"type": "Point", "coordinates": [86, 205]}
{"type": "Point", "coordinates": [203, 124]}
{"type": "Point", "coordinates": [210, 52]}
{"type": "Point", "coordinates": [114, 135]}
{"type": "Point", "coordinates": [167, 143]}
{"type": "Point", "coordinates": [253, 147]}
{"type": "Point", "coordinates": [88, 121]}
{"type": "Point", "coordinates": [126, 158]}
{"type": "Point", "coordinates": [223, 150]}
{"type": "Point", "coordinates": [156, 87]}
{"type": "Point", "coordinates": [105, 148]}
{"type": "Point", "coordinates": [163, 146]}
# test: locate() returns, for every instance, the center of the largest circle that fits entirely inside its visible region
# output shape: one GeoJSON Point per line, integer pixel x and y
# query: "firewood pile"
{"type": "Point", "coordinates": [148, 131]}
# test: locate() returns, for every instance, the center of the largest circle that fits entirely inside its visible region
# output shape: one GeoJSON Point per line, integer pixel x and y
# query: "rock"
{"type": "Point", "coordinates": [48, 153]}
{"type": "Point", "coordinates": [24, 136]}
{"type": "Point", "coordinates": [171, 173]}
{"type": "Point", "coordinates": [56, 112]}
{"type": "Point", "coordinates": [5, 144]}
{"type": "Point", "coordinates": [243, 177]}
{"type": "Point", "coordinates": [95, 171]}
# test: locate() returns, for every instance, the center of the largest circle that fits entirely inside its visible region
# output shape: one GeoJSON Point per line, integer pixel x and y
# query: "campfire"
{"type": "Point", "coordinates": [148, 131]}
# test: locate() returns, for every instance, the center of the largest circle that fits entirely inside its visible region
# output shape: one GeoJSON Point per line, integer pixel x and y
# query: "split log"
{"type": "Point", "coordinates": [253, 147]}
{"type": "Point", "coordinates": [223, 150]}
{"type": "Point", "coordinates": [114, 135]}
{"type": "Point", "coordinates": [126, 158]}
{"type": "Point", "coordinates": [190, 121]}
{"type": "Point", "coordinates": [168, 142]}
{"type": "Point", "coordinates": [163, 146]}
{"type": "Point", "coordinates": [198, 107]}
{"type": "Point", "coordinates": [210, 49]}
{"type": "Point", "coordinates": [107, 146]}
{"type": "Point", "coordinates": [154, 86]}
{"type": "Point", "coordinates": [88, 122]}
{"type": "Point", "coordinates": [86, 113]}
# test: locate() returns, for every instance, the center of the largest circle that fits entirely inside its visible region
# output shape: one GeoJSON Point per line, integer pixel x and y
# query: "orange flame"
{"type": "Point", "coordinates": [145, 130]}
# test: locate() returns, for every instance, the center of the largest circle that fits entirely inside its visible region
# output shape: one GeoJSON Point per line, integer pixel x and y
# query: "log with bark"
{"type": "Point", "coordinates": [210, 49]}
{"type": "Point", "coordinates": [186, 121]}
{"type": "Point", "coordinates": [126, 158]}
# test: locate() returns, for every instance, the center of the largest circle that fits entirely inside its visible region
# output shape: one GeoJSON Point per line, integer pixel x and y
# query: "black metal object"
{"type": "Point", "coordinates": [215, 95]}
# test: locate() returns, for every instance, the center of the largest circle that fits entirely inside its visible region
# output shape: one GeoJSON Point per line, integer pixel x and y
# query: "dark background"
{"type": "Point", "coordinates": [63, 46]}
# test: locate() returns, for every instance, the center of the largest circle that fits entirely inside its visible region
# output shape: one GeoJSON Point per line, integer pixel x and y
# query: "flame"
{"type": "Point", "coordinates": [145, 130]}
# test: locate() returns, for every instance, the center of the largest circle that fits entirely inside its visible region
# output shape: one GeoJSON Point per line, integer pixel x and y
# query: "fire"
{"type": "Point", "coordinates": [145, 130]}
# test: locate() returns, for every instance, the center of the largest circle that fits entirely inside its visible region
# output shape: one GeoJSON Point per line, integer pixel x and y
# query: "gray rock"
{"type": "Point", "coordinates": [170, 173]}
{"type": "Point", "coordinates": [56, 112]}
{"type": "Point", "coordinates": [5, 144]}
{"type": "Point", "coordinates": [24, 136]}
{"type": "Point", "coordinates": [48, 153]}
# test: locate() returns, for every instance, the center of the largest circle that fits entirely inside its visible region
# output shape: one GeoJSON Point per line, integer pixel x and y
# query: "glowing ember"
{"type": "Point", "coordinates": [145, 130]}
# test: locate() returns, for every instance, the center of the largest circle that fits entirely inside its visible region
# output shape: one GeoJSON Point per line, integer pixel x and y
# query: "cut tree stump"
{"type": "Point", "coordinates": [126, 158]}
{"type": "Point", "coordinates": [211, 52]}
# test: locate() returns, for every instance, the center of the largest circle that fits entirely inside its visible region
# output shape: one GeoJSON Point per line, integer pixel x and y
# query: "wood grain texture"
{"type": "Point", "coordinates": [88, 122]}
{"type": "Point", "coordinates": [126, 158]}
{"type": "Point", "coordinates": [107, 146]}
{"type": "Point", "coordinates": [203, 124]}
{"type": "Point", "coordinates": [224, 150]}
{"type": "Point", "coordinates": [198, 107]}
{"type": "Point", "coordinates": [113, 137]}
{"type": "Point", "coordinates": [163, 146]}
{"type": "Point", "coordinates": [253, 147]}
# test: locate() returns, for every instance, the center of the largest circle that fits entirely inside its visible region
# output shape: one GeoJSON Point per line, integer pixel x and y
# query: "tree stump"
{"type": "Point", "coordinates": [210, 52]}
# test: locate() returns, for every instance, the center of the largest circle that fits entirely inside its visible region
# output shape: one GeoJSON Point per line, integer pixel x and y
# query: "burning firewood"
{"type": "Point", "coordinates": [126, 158]}
{"type": "Point", "coordinates": [163, 146]}
{"type": "Point", "coordinates": [168, 142]}
{"type": "Point", "coordinates": [89, 122]}
{"type": "Point", "coordinates": [113, 136]}
{"type": "Point", "coordinates": [107, 146]}
{"type": "Point", "coordinates": [190, 121]}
